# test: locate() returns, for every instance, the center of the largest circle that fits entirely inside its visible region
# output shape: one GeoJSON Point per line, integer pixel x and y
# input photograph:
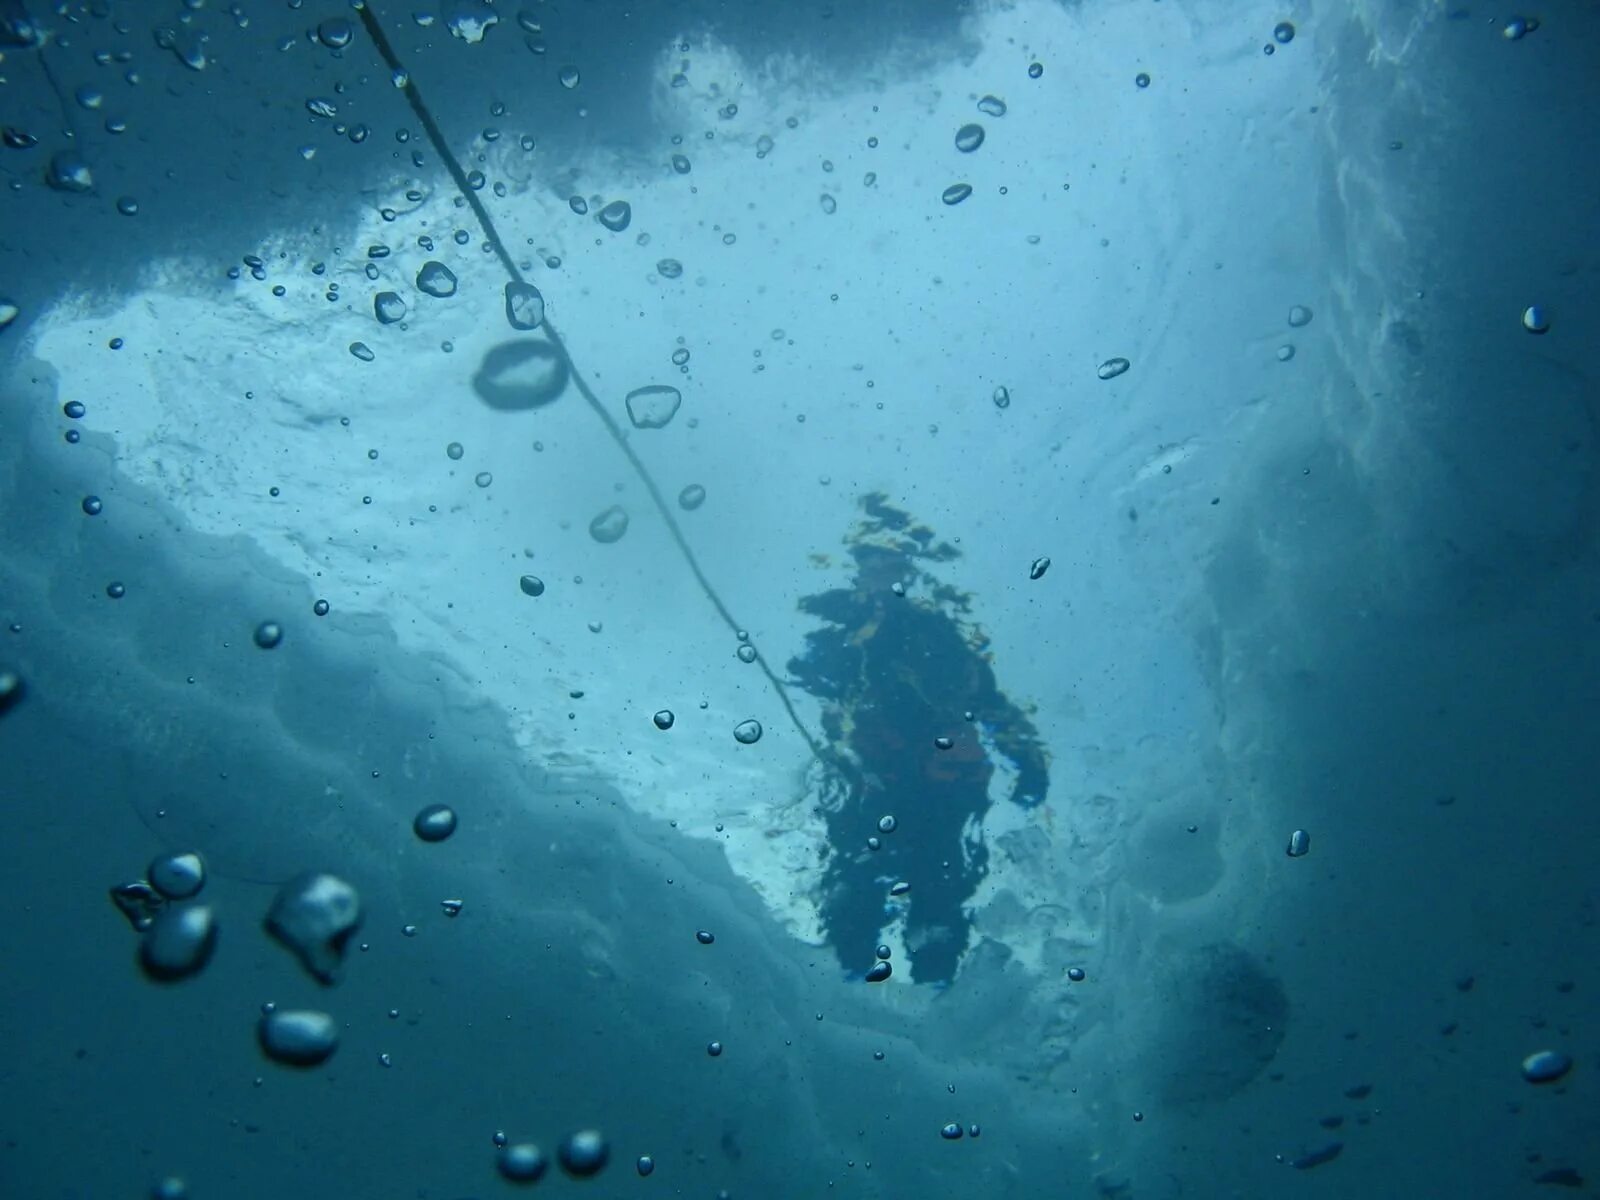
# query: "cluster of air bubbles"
{"type": "Point", "coordinates": [1518, 28]}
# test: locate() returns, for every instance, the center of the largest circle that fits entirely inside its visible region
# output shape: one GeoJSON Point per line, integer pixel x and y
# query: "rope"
{"type": "Point", "coordinates": [486, 223]}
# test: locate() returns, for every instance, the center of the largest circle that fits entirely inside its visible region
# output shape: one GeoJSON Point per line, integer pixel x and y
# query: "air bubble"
{"type": "Point", "coordinates": [436, 279]}
{"type": "Point", "coordinates": [434, 823]}
{"type": "Point", "coordinates": [314, 915]}
{"type": "Point", "coordinates": [653, 406]}
{"type": "Point", "coordinates": [609, 526]}
{"type": "Point", "coordinates": [747, 733]}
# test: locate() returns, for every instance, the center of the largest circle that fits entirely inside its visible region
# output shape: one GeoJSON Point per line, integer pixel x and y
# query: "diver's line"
{"type": "Point", "coordinates": [431, 127]}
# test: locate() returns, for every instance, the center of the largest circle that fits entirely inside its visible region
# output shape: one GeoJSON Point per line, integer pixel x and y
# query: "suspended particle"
{"type": "Point", "coordinates": [663, 719]}
{"type": "Point", "coordinates": [298, 1037]}
{"type": "Point", "coordinates": [320, 106]}
{"type": "Point", "coordinates": [969, 138]}
{"type": "Point", "coordinates": [524, 306]}
{"type": "Point", "coordinates": [583, 1153]}
{"type": "Point", "coordinates": [1299, 844]}
{"type": "Point", "coordinates": [1038, 567]}
{"type": "Point", "coordinates": [956, 193]}
{"type": "Point", "coordinates": [747, 733]}
{"type": "Point", "coordinates": [609, 526]}
{"type": "Point", "coordinates": [1113, 367]}
{"type": "Point", "coordinates": [531, 585]}
{"type": "Point", "coordinates": [178, 942]}
{"type": "Point", "coordinates": [434, 823]}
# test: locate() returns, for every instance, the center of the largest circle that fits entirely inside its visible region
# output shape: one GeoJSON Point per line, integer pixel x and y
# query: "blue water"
{"type": "Point", "coordinates": [879, 601]}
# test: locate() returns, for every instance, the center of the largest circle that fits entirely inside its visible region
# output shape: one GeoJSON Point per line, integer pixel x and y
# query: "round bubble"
{"type": "Point", "coordinates": [434, 823]}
